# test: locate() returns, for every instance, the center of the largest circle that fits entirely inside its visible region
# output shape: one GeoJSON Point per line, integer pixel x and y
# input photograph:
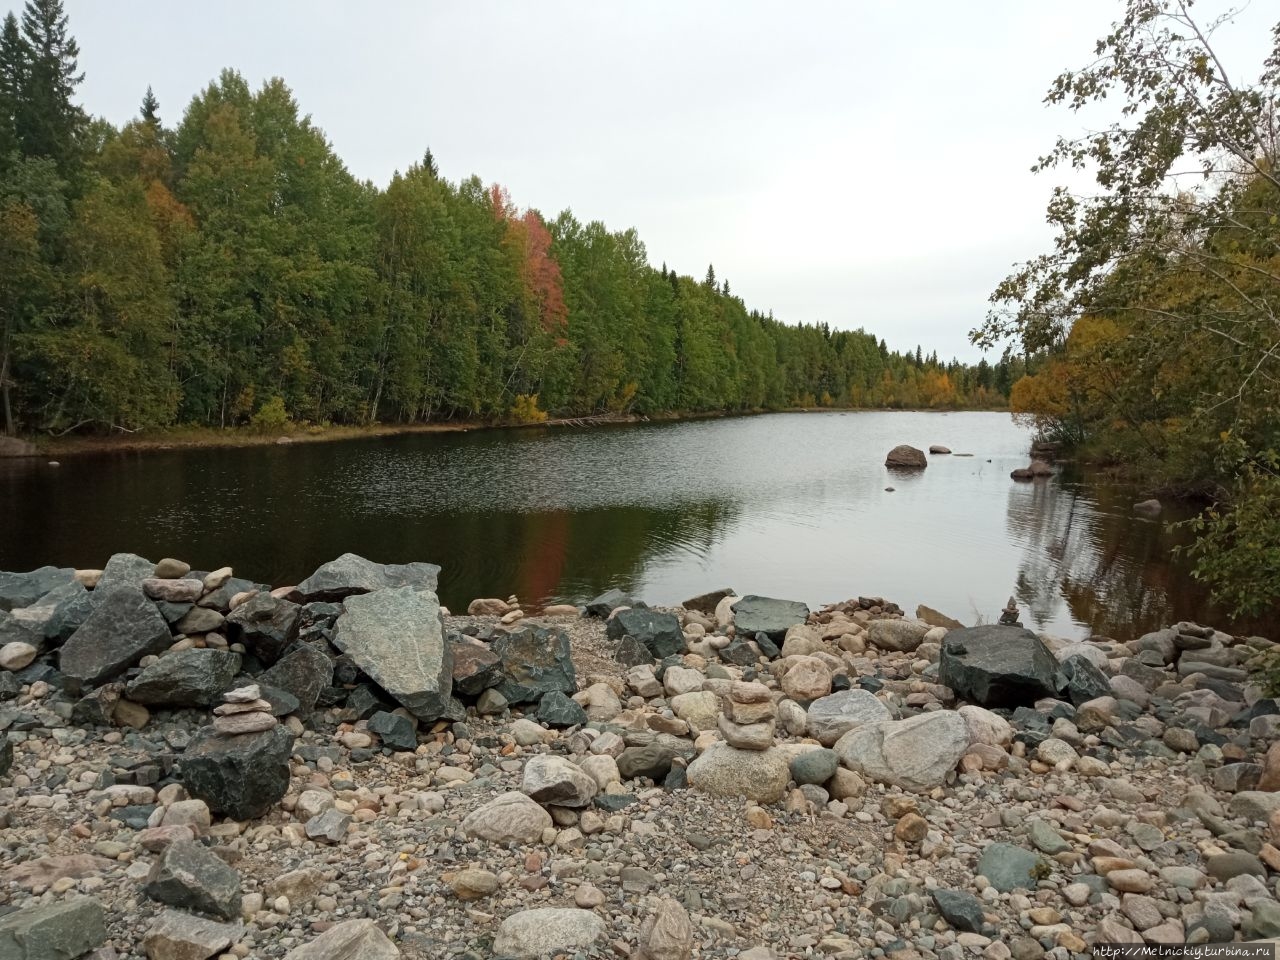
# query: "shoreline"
{"type": "Point", "coordinates": [213, 438]}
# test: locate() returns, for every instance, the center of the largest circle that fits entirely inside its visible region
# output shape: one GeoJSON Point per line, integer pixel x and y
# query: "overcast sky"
{"type": "Point", "coordinates": [860, 163]}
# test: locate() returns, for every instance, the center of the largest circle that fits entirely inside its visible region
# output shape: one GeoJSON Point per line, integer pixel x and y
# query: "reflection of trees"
{"type": "Point", "coordinates": [1115, 572]}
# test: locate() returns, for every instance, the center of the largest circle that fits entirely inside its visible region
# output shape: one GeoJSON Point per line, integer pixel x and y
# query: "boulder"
{"type": "Point", "coordinates": [394, 730]}
{"type": "Point", "coordinates": [938, 448]}
{"type": "Point", "coordinates": [348, 940]}
{"type": "Point", "coordinates": [531, 934]}
{"type": "Point", "coordinates": [57, 614]}
{"type": "Point", "coordinates": [651, 760]}
{"type": "Point", "coordinates": [667, 933]}
{"type": "Point", "coordinates": [507, 818]}
{"type": "Point", "coordinates": [123, 569]}
{"type": "Point", "coordinates": [396, 636]}
{"type": "Point", "coordinates": [17, 655]}
{"type": "Point", "coordinates": [753, 614]}
{"type": "Point", "coordinates": [960, 908]}
{"type": "Point", "coordinates": [659, 632]}
{"type": "Point", "coordinates": [535, 661]}
{"type": "Point", "coordinates": [936, 619]}
{"type": "Point", "coordinates": [24, 589]}
{"type": "Point", "coordinates": [831, 717]}
{"type": "Point", "coordinates": [916, 753]}
{"type": "Point", "coordinates": [173, 591]}
{"type": "Point", "coordinates": [476, 668]}
{"type": "Point", "coordinates": [185, 678]}
{"type": "Point", "coordinates": [725, 771]}
{"type": "Point", "coordinates": [807, 678]}
{"type": "Point", "coordinates": [1148, 508]}
{"type": "Point", "coordinates": [814, 766]}
{"type": "Point", "coordinates": [241, 776]}
{"type": "Point", "coordinates": [557, 710]}
{"type": "Point", "coordinates": [192, 877]}
{"type": "Point", "coordinates": [61, 930]}
{"type": "Point", "coordinates": [607, 602]}
{"type": "Point", "coordinates": [181, 936]}
{"type": "Point", "coordinates": [303, 673]}
{"type": "Point", "coordinates": [351, 574]}
{"type": "Point", "coordinates": [706, 603]}
{"type": "Point", "coordinates": [124, 627]}
{"type": "Point", "coordinates": [906, 457]}
{"type": "Point", "coordinates": [1082, 681]}
{"type": "Point", "coordinates": [900, 635]}
{"type": "Point", "coordinates": [997, 666]}
{"type": "Point", "coordinates": [554, 780]}
{"type": "Point", "coordinates": [266, 625]}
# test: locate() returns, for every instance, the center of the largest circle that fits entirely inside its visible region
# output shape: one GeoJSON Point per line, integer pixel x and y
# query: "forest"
{"type": "Point", "coordinates": [1154, 323]}
{"type": "Point", "coordinates": [228, 270]}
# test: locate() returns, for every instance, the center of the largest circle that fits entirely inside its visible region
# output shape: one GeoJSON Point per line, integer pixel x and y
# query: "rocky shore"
{"type": "Point", "coordinates": [194, 765]}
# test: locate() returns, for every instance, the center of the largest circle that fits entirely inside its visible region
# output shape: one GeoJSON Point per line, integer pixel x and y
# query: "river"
{"type": "Point", "coordinates": [789, 505]}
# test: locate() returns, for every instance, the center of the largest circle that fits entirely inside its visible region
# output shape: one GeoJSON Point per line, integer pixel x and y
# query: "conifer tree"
{"type": "Point", "coordinates": [150, 108]}
{"type": "Point", "coordinates": [12, 69]}
{"type": "Point", "coordinates": [48, 123]}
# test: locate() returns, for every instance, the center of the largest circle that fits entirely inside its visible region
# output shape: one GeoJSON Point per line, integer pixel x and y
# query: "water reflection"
{"type": "Point", "coordinates": [787, 505]}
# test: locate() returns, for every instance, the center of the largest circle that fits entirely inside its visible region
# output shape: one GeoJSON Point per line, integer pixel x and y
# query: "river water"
{"type": "Point", "coordinates": [786, 505]}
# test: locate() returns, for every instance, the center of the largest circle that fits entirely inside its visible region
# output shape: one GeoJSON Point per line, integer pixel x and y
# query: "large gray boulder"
{"type": "Point", "coordinates": [1080, 680]}
{"type": "Point", "coordinates": [266, 625]}
{"type": "Point", "coordinates": [348, 940]}
{"type": "Point", "coordinates": [831, 717]}
{"type": "Point", "coordinates": [241, 776]}
{"type": "Point", "coordinates": [607, 602]}
{"type": "Point", "coordinates": [352, 574]}
{"type": "Point", "coordinates": [61, 930]}
{"type": "Point", "coordinates": [57, 614]}
{"type": "Point", "coordinates": [659, 632]}
{"type": "Point", "coordinates": [508, 818]}
{"type": "Point", "coordinates": [535, 661]}
{"type": "Point", "coordinates": [123, 569]}
{"type": "Point", "coordinates": [186, 678]}
{"type": "Point", "coordinates": [773, 618]}
{"type": "Point", "coordinates": [906, 457]}
{"type": "Point", "coordinates": [916, 753]}
{"type": "Point", "coordinates": [303, 672]}
{"type": "Point", "coordinates": [124, 627]}
{"type": "Point", "coordinates": [193, 877]}
{"type": "Point", "coordinates": [396, 636]}
{"type": "Point", "coordinates": [997, 666]}
{"type": "Point", "coordinates": [24, 589]}
{"type": "Point", "coordinates": [900, 635]}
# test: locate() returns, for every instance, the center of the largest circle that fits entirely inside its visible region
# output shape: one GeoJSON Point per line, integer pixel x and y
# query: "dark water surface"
{"type": "Point", "coordinates": [787, 505]}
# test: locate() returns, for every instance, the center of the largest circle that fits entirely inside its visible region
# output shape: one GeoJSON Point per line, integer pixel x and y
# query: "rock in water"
{"type": "Point", "coordinates": [773, 618]}
{"type": "Point", "coordinates": [536, 660]}
{"type": "Point", "coordinates": [396, 636]}
{"type": "Point", "coordinates": [916, 753]}
{"type": "Point", "coordinates": [532, 933]}
{"type": "Point", "coordinates": [906, 457]}
{"type": "Point", "coordinates": [997, 666]}
{"type": "Point", "coordinates": [351, 574]}
{"type": "Point", "coordinates": [725, 771]}
{"type": "Point", "coordinates": [123, 628]}
{"type": "Point", "coordinates": [349, 940]}
{"type": "Point", "coordinates": [192, 877]}
{"type": "Point", "coordinates": [24, 589]}
{"type": "Point", "coordinates": [185, 678]}
{"type": "Point", "coordinates": [240, 776]}
{"type": "Point", "coordinates": [659, 632]}
{"type": "Point", "coordinates": [266, 625]}
{"type": "Point", "coordinates": [830, 718]}
{"type": "Point", "coordinates": [53, 931]}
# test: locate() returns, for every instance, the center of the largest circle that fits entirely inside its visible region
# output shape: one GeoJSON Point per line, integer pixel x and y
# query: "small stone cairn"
{"type": "Point", "coordinates": [748, 722]}
{"type": "Point", "coordinates": [244, 711]}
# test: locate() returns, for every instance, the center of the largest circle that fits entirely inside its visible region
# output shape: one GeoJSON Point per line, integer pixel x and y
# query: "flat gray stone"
{"type": "Point", "coordinates": [396, 636]}
{"type": "Point", "coordinates": [352, 574]}
{"type": "Point", "coordinates": [56, 931]}
{"type": "Point", "coordinates": [185, 678]}
{"type": "Point", "coordinates": [1008, 867]}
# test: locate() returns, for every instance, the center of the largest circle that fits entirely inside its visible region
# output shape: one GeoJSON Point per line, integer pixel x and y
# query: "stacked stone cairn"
{"type": "Point", "coordinates": [749, 717]}
{"type": "Point", "coordinates": [243, 711]}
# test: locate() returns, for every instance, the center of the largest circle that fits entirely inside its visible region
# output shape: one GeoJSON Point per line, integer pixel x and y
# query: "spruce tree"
{"type": "Point", "coordinates": [150, 108]}
{"type": "Point", "coordinates": [48, 123]}
{"type": "Point", "coordinates": [13, 60]}
{"type": "Point", "coordinates": [711, 276]}
{"type": "Point", "coordinates": [429, 164]}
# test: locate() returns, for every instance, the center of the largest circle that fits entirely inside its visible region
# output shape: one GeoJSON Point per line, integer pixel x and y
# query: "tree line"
{"type": "Point", "coordinates": [230, 270]}
{"type": "Point", "coordinates": [1154, 323]}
